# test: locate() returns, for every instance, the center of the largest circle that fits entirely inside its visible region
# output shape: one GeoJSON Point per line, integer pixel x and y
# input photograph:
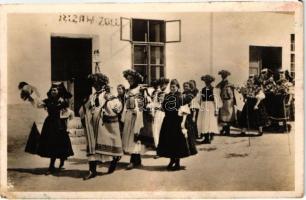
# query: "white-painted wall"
{"type": "Point", "coordinates": [210, 42]}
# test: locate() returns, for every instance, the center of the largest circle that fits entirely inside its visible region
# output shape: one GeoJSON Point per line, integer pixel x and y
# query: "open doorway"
{"type": "Point", "coordinates": [71, 63]}
{"type": "Point", "coordinates": [262, 57]}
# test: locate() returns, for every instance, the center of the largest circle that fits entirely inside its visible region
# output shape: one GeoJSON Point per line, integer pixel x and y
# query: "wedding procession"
{"type": "Point", "coordinates": [152, 101]}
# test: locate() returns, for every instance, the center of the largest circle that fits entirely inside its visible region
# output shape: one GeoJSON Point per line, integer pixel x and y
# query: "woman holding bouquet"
{"type": "Point", "coordinates": [175, 140]}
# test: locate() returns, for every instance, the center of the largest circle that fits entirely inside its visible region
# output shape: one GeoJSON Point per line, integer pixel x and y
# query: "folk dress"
{"type": "Point", "coordinates": [100, 115]}
{"type": "Point", "coordinates": [250, 118]}
{"type": "Point", "coordinates": [172, 143]}
{"type": "Point", "coordinates": [132, 117]}
{"type": "Point", "coordinates": [227, 111]}
{"type": "Point", "coordinates": [54, 140]}
{"type": "Point", "coordinates": [208, 106]}
{"type": "Point", "coordinates": [159, 115]}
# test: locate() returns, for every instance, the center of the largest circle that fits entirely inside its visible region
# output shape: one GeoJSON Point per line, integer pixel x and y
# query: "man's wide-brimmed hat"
{"type": "Point", "coordinates": [136, 75]}
{"type": "Point", "coordinates": [224, 72]}
{"type": "Point", "coordinates": [207, 78]}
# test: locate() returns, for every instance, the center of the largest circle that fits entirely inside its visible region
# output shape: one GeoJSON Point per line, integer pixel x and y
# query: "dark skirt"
{"type": "Point", "coordinates": [278, 107]}
{"type": "Point", "coordinates": [195, 123]}
{"type": "Point", "coordinates": [172, 143]}
{"type": "Point", "coordinates": [54, 140]}
{"type": "Point", "coordinates": [250, 118]}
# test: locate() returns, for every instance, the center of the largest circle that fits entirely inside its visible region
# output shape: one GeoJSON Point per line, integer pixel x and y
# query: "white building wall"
{"type": "Point", "coordinates": [231, 34]}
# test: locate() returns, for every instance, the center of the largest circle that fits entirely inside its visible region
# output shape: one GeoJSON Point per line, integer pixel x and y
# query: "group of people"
{"type": "Point", "coordinates": [143, 116]}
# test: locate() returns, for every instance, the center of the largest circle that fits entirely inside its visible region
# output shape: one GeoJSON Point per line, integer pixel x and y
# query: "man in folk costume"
{"type": "Point", "coordinates": [100, 119]}
{"type": "Point", "coordinates": [227, 111]}
{"type": "Point", "coordinates": [132, 117]}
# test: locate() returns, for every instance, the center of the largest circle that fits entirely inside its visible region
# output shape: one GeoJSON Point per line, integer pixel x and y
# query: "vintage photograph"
{"type": "Point", "coordinates": [153, 99]}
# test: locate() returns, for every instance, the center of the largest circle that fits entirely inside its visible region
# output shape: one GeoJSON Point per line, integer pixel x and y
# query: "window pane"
{"type": "Point", "coordinates": [143, 71]}
{"type": "Point", "coordinates": [157, 30]}
{"type": "Point", "coordinates": [140, 30]}
{"type": "Point", "coordinates": [292, 67]}
{"type": "Point", "coordinates": [157, 72]}
{"type": "Point", "coordinates": [292, 47]}
{"type": "Point", "coordinates": [292, 38]}
{"type": "Point", "coordinates": [140, 55]}
{"type": "Point", "coordinates": [292, 57]}
{"type": "Point", "coordinates": [157, 55]}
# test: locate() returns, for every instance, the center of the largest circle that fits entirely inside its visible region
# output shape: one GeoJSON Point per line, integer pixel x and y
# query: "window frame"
{"type": "Point", "coordinates": [149, 44]}
{"type": "Point", "coordinates": [180, 31]}
{"type": "Point", "coordinates": [121, 36]}
{"type": "Point", "coordinates": [148, 65]}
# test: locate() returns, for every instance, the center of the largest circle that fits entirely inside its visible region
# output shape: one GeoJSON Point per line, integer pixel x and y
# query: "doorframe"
{"type": "Point", "coordinates": [94, 45]}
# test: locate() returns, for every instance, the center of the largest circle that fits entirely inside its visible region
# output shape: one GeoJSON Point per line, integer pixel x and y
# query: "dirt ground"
{"type": "Point", "coordinates": [231, 163]}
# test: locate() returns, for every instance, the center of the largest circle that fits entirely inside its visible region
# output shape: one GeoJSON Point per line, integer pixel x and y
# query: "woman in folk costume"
{"type": "Point", "coordinates": [209, 109]}
{"type": "Point", "coordinates": [132, 117]}
{"type": "Point", "coordinates": [176, 140]}
{"type": "Point", "coordinates": [195, 106]}
{"type": "Point", "coordinates": [100, 118]}
{"type": "Point", "coordinates": [54, 142]}
{"type": "Point", "coordinates": [159, 113]}
{"type": "Point", "coordinates": [227, 111]}
{"type": "Point", "coordinates": [253, 114]}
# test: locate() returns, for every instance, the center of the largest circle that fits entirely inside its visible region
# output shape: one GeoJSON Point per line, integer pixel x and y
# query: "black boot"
{"type": "Point", "coordinates": [206, 139]}
{"type": "Point", "coordinates": [211, 136]}
{"type": "Point", "coordinates": [171, 163]}
{"type": "Point", "coordinates": [222, 132]}
{"type": "Point", "coordinates": [228, 130]}
{"type": "Point", "coordinates": [113, 164]}
{"type": "Point", "coordinates": [62, 162]}
{"type": "Point", "coordinates": [92, 170]}
{"type": "Point", "coordinates": [138, 160]}
{"type": "Point", "coordinates": [51, 168]}
{"type": "Point", "coordinates": [132, 162]}
{"type": "Point", "coordinates": [177, 165]}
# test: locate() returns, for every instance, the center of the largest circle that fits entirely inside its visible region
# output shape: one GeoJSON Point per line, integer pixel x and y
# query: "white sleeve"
{"type": "Point", "coordinates": [184, 110]}
{"type": "Point", "coordinates": [260, 95]}
{"type": "Point", "coordinates": [217, 99]}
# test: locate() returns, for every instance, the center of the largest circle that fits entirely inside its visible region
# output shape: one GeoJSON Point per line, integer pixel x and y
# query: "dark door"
{"type": "Point", "coordinates": [265, 57]}
{"type": "Point", "coordinates": [71, 62]}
